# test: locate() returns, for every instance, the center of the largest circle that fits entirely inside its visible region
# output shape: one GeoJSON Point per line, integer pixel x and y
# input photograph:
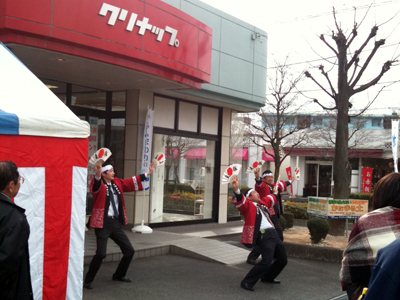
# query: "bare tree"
{"type": "Point", "coordinates": [350, 69]}
{"type": "Point", "coordinates": [326, 131]}
{"type": "Point", "coordinates": [275, 126]}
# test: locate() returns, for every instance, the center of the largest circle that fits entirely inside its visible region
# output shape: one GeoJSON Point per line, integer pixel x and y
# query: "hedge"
{"type": "Point", "coordinates": [297, 211]}
{"type": "Point", "coordinates": [318, 228]}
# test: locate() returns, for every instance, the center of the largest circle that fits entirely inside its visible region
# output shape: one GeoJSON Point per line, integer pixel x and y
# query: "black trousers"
{"type": "Point", "coordinates": [273, 259]}
{"type": "Point", "coordinates": [111, 229]}
{"type": "Point", "coordinates": [256, 251]}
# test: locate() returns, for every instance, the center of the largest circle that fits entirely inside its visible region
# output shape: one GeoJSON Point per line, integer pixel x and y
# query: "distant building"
{"type": "Point", "coordinates": [370, 146]}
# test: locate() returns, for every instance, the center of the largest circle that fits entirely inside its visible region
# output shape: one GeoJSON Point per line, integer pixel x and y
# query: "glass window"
{"type": "Point", "coordinates": [118, 101]}
{"type": "Point", "coordinates": [317, 121]}
{"type": "Point", "coordinates": [88, 98]}
{"type": "Point", "coordinates": [376, 122]}
{"type": "Point", "coordinates": [238, 155]}
{"type": "Point", "coordinates": [117, 146]}
{"type": "Point", "coordinates": [183, 189]}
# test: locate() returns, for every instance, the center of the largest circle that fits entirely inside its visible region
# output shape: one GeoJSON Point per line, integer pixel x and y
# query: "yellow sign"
{"type": "Point", "coordinates": [336, 209]}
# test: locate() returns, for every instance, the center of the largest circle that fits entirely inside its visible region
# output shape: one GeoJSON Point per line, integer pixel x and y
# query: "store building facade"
{"type": "Point", "coordinates": [110, 61]}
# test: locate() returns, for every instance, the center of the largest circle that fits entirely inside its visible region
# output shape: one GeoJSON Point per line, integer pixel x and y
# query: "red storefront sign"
{"type": "Point", "coordinates": [148, 36]}
{"type": "Point", "coordinates": [366, 180]}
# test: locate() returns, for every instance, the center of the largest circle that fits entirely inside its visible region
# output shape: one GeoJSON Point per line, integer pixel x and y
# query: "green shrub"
{"type": "Point", "coordinates": [361, 196]}
{"type": "Point", "coordinates": [298, 212]}
{"type": "Point", "coordinates": [288, 219]}
{"type": "Point", "coordinates": [318, 229]}
{"type": "Point", "coordinates": [282, 221]}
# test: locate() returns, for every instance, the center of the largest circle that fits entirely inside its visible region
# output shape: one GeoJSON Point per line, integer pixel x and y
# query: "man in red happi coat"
{"type": "Point", "coordinates": [259, 230]}
{"type": "Point", "coordinates": [108, 216]}
{"type": "Point", "coordinates": [264, 186]}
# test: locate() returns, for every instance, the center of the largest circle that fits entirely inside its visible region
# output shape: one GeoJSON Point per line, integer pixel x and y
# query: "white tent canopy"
{"type": "Point", "coordinates": [28, 107]}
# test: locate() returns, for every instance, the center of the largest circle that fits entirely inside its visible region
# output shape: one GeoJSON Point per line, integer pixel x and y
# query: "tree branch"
{"type": "Point", "coordinates": [386, 67]}
{"type": "Point", "coordinates": [369, 58]}
{"type": "Point", "coordinates": [324, 107]}
{"type": "Point", "coordinates": [372, 34]}
{"type": "Point", "coordinates": [355, 69]}
{"type": "Point", "coordinates": [317, 83]}
{"type": "Point", "coordinates": [321, 67]}
{"type": "Point", "coordinates": [322, 38]}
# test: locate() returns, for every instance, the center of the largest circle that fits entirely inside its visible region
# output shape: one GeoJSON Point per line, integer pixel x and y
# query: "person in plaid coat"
{"type": "Point", "coordinates": [371, 232]}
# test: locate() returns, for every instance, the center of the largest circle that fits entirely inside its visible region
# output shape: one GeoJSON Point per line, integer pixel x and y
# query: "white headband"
{"type": "Point", "coordinates": [249, 192]}
{"type": "Point", "coordinates": [267, 174]}
{"type": "Point", "coordinates": [106, 168]}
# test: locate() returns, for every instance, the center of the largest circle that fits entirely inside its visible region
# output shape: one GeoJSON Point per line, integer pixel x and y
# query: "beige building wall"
{"type": "Point", "coordinates": [137, 102]}
{"type": "Point", "coordinates": [226, 136]}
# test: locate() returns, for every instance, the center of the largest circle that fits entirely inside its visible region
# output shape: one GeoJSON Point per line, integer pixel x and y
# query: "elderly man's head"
{"type": "Point", "coordinates": [252, 195]}
{"type": "Point", "coordinates": [9, 179]}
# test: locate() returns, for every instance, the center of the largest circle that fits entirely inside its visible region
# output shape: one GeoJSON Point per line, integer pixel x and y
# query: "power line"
{"type": "Point", "coordinates": [319, 90]}
{"type": "Point", "coordinates": [330, 57]}
{"type": "Point", "coordinates": [340, 11]}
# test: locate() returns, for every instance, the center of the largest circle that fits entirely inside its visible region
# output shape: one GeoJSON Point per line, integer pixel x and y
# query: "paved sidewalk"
{"type": "Point", "coordinates": [187, 240]}
{"type": "Point", "coordinates": [210, 241]}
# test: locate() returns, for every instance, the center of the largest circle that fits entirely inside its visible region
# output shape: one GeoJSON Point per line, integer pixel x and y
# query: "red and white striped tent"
{"type": "Point", "coordinates": [49, 144]}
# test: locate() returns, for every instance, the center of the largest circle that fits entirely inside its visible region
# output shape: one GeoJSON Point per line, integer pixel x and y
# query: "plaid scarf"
{"type": "Point", "coordinates": [371, 232]}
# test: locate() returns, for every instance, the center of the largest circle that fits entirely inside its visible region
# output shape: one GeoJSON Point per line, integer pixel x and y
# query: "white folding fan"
{"type": "Point", "coordinates": [297, 173]}
{"type": "Point", "coordinates": [230, 172]}
{"type": "Point", "coordinates": [100, 156]}
{"type": "Point", "coordinates": [255, 165]}
{"type": "Point", "coordinates": [159, 159]}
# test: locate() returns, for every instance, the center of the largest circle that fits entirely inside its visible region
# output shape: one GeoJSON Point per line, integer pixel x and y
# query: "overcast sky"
{"type": "Point", "coordinates": [293, 28]}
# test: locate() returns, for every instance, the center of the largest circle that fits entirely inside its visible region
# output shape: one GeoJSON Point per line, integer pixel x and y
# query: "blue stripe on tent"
{"type": "Point", "coordinates": [9, 123]}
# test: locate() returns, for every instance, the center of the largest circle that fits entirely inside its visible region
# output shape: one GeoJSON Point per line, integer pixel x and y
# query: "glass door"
{"type": "Point", "coordinates": [324, 180]}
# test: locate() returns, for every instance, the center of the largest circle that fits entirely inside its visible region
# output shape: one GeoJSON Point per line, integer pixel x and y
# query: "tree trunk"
{"type": "Point", "coordinates": [340, 163]}
{"type": "Point", "coordinates": [277, 162]}
{"type": "Point", "coordinates": [277, 169]}
{"type": "Point", "coordinates": [340, 178]}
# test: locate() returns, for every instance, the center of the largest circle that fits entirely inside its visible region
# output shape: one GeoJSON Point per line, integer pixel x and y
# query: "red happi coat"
{"type": "Point", "coordinates": [264, 190]}
{"type": "Point", "coordinates": [249, 211]}
{"type": "Point", "coordinates": [99, 197]}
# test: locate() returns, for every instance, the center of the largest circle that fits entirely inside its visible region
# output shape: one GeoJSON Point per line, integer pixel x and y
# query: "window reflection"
{"type": "Point", "coordinates": [182, 189]}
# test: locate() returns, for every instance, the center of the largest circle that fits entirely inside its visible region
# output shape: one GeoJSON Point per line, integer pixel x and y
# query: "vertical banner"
{"type": "Point", "coordinates": [289, 175]}
{"type": "Point", "coordinates": [147, 142]}
{"type": "Point", "coordinates": [395, 139]}
{"type": "Point", "coordinates": [366, 180]}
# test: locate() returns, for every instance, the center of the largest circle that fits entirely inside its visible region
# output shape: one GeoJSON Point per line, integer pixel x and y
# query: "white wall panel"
{"type": "Point", "coordinates": [209, 120]}
{"type": "Point", "coordinates": [164, 112]}
{"type": "Point", "coordinates": [188, 116]}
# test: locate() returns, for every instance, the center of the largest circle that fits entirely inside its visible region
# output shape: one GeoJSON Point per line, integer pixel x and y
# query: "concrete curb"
{"type": "Point", "coordinates": [314, 252]}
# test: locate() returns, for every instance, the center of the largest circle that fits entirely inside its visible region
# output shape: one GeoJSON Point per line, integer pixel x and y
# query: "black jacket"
{"type": "Point", "coordinates": [15, 279]}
